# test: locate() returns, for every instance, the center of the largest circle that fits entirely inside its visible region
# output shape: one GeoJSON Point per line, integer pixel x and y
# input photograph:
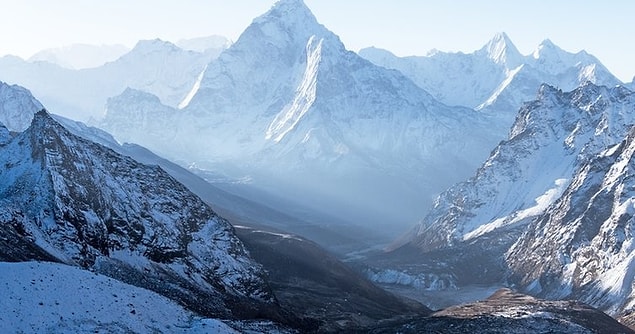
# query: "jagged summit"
{"type": "Point", "coordinates": [502, 50]}
{"type": "Point", "coordinates": [289, 23]}
{"type": "Point", "coordinates": [17, 107]}
{"type": "Point", "coordinates": [289, 9]}
{"type": "Point", "coordinates": [153, 45]}
{"type": "Point", "coordinates": [546, 48]}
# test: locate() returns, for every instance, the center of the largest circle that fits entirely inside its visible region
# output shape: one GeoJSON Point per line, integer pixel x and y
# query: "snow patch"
{"type": "Point", "coordinates": [289, 117]}
{"type": "Point", "coordinates": [197, 85]}
{"type": "Point", "coordinates": [542, 203]}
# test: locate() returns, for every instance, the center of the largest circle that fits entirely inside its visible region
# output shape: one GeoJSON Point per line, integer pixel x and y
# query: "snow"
{"type": "Point", "coordinates": [195, 88]}
{"type": "Point", "coordinates": [155, 66]}
{"type": "Point", "coordinates": [42, 297]}
{"type": "Point", "coordinates": [281, 235]}
{"type": "Point", "coordinates": [497, 78]}
{"type": "Point", "coordinates": [542, 202]}
{"type": "Point", "coordinates": [17, 107]}
{"type": "Point", "coordinates": [291, 114]}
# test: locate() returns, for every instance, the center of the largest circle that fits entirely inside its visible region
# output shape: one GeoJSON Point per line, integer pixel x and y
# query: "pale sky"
{"type": "Point", "coordinates": [405, 27]}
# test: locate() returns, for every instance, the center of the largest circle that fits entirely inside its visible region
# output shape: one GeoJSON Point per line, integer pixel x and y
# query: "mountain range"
{"type": "Point", "coordinates": [156, 66]}
{"type": "Point", "coordinates": [145, 242]}
{"type": "Point", "coordinates": [80, 56]}
{"type": "Point", "coordinates": [299, 134]}
{"type": "Point", "coordinates": [496, 78]}
{"type": "Point", "coordinates": [318, 126]}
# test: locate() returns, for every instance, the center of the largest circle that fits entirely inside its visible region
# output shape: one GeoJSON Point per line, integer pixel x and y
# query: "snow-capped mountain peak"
{"type": "Point", "coordinates": [294, 11]}
{"type": "Point", "coordinates": [288, 23]}
{"type": "Point", "coordinates": [17, 107]}
{"type": "Point", "coordinates": [153, 45]}
{"type": "Point", "coordinates": [501, 50]}
{"type": "Point", "coordinates": [546, 48]}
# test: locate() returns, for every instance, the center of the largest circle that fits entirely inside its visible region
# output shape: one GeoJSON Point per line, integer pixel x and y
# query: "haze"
{"type": "Point", "coordinates": [412, 28]}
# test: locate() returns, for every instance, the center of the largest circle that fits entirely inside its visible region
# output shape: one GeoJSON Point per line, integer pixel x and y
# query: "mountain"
{"type": "Point", "coordinates": [582, 246]}
{"type": "Point", "coordinates": [548, 211]}
{"type": "Point", "coordinates": [80, 56]}
{"type": "Point", "coordinates": [17, 107]}
{"type": "Point", "coordinates": [288, 107]}
{"type": "Point", "coordinates": [496, 78]}
{"type": "Point", "coordinates": [155, 66]}
{"type": "Point", "coordinates": [552, 136]}
{"type": "Point", "coordinates": [455, 78]}
{"type": "Point", "coordinates": [76, 202]}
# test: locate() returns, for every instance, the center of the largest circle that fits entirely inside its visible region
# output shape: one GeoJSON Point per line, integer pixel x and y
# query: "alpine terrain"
{"type": "Point", "coordinates": [289, 109]}
{"type": "Point", "coordinates": [309, 159]}
{"type": "Point", "coordinates": [156, 66]}
{"type": "Point", "coordinates": [496, 78]}
{"type": "Point", "coordinates": [548, 212]}
{"type": "Point", "coordinates": [73, 201]}
{"type": "Point", "coordinates": [70, 200]}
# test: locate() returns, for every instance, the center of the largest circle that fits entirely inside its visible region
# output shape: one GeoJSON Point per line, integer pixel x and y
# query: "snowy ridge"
{"type": "Point", "coordinates": [156, 66]}
{"type": "Point", "coordinates": [584, 240]}
{"type": "Point", "coordinates": [195, 88]}
{"type": "Point", "coordinates": [497, 78]}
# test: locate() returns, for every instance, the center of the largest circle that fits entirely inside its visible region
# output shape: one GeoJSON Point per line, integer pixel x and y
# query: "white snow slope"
{"type": "Point", "coordinates": [583, 246]}
{"type": "Point", "coordinates": [40, 297]}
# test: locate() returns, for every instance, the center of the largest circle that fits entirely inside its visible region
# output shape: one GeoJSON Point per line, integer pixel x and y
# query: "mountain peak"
{"type": "Point", "coordinates": [17, 106]}
{"type": "Point", "coordinates": [153, 45]}
{"type": "Point", "coordinates": [292, 15]}
{"type": "Point", "coordinates": [547, 48]}
{"type": "Point", "coordinates": [547, 43]}
{"type": "Point", "coordinates": [289, 6]}
{"type": "Point", "coordinates": [501, 50]}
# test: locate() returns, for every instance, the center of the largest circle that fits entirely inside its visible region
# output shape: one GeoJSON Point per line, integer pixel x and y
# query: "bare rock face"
{"type": "Point", "coordinates": [509, 312]}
